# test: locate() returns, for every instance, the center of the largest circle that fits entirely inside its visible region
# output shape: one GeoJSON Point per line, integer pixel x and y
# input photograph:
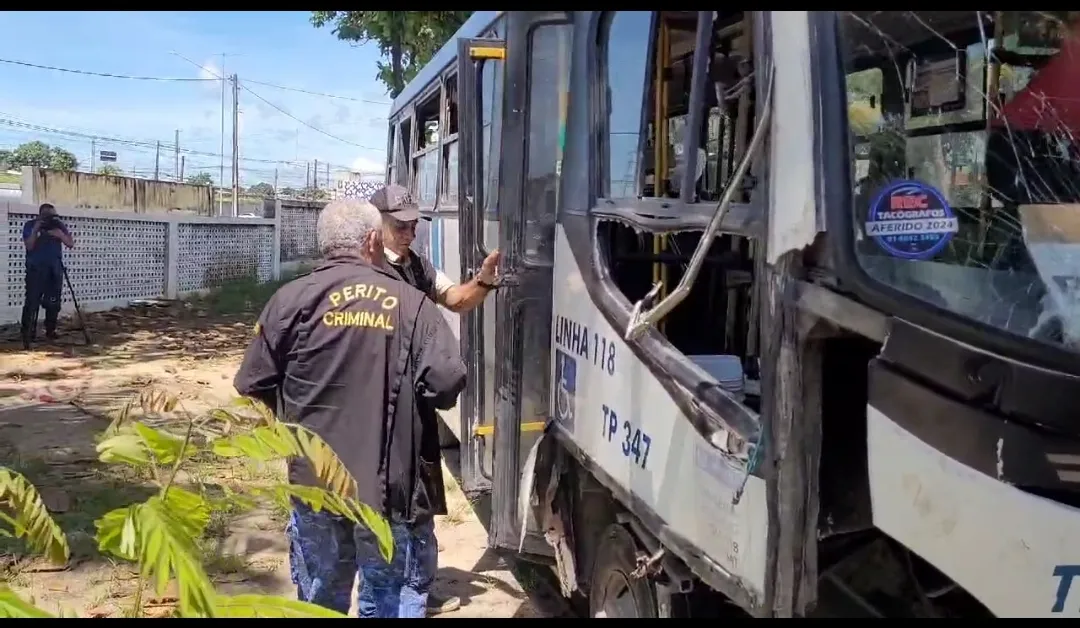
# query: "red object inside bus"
{"type": "Point", "coordinates": [1051, 100]}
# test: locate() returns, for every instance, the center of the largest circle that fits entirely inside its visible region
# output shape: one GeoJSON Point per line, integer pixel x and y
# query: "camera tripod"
{"type": "Point", "coordinates": [78, 312]}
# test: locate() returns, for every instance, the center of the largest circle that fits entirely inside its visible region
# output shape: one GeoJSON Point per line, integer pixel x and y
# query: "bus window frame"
{"type": "Point", "coordinates": [445, 201]}
{"type": "Point", "coordinates": [601, 169]}
{"type": "Point", "coordinates": [424, 99]}
{"type": "Point", "coordinates": [835, 185]}
{"type": "Point", "coordinates": [400, 166]}
{"type": "Point", "coordinates": [667, 214]}
{"type": "Point", "coordinates": [655, 351]}
{"type": "Point", "coordinates": [391, 142]}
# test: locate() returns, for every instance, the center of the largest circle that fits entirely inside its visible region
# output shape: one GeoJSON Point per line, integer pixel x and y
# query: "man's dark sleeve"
{"type": "Point", "coordinates": [260, 372]}
{"type": "Point", "coordinates": [440, 372]}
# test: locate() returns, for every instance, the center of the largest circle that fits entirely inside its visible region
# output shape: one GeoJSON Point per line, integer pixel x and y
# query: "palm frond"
{"type": "Point", "coordinates": [22, 508]}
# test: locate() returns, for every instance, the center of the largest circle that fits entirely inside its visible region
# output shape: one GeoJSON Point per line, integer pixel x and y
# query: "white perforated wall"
{"type": "Point", "coordinates": [298, 233]}
{"type": "Point", "coordinates": [115, 260]}
{"type": "Point", "coordinates": [209, 255]}
{"type": "Point", "coordinates": [121, 257]}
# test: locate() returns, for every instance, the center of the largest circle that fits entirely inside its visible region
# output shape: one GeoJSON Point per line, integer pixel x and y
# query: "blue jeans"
{"type": "Point", "coordinates": [326, 551]}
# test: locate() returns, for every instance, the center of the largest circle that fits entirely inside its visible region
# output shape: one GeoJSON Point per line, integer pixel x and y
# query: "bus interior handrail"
{"type": "Point", "coordinates": [641, 318]}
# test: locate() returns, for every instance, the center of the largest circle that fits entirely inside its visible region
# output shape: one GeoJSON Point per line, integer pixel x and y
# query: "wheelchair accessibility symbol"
{"type": "Point", "coordinates": [565, 389]}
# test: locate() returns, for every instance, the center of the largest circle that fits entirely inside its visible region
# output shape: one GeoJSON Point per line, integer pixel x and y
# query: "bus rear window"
{"type": "Point", "coordinates": [966, 157]}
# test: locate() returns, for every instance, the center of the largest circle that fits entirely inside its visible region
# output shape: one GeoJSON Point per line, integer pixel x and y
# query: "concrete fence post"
{"type": "Point", "coordinates": [5, 229]}
{"type": "Point", "coordinates": [277, 245]}
{"type": "Point", "coordinates": [172, 258]}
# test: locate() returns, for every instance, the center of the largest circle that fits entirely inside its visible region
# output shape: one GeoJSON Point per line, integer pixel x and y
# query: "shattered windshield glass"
{"type": "Point", "coordinates": [966, 133]}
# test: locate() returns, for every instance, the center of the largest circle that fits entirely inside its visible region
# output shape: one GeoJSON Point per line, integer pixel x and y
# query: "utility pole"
{"type": "Point", "coordinates": [181, 169]}
{"type": "Point", "coordinates": [327, 177]}
{"type": "Point", "coordinates": [157, 159]}
{"type": "Point", "coordinates": [315, 179]}
{"type": "Point", "coordinates": [176, 157]}
{"type": "Point", "coordinates": [235, 147]}
{"type": "Point", "coordinates": [275, 181]}
{"type": "Point", "coordinates": [93, 154]}
{"type": "Point", "coordinates": [307, 176]}
{"type": "Point", "coordinates": [221, 166]}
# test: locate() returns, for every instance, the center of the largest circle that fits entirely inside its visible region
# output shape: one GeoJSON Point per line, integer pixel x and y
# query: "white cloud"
{"type": "Point", "coordinates": [366, 165]}
{"type": "Point", "coordinates": [209, 70]}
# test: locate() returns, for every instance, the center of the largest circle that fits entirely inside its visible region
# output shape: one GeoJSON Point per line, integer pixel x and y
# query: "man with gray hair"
{"type": "Point", "coordinates": [350, 351]}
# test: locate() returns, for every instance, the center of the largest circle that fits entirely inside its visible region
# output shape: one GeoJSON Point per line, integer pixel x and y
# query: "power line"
{"type": "Point", "coordinates": [188, 80]}
{"type": "Point", "coordinates": [219, 77]}
{"type": "Point", "coordinates": [323, 94]}
{"type": "Point", "coordinates": [105, 74]}
{"type": "Point", "coordinates": [310, 126]}
{"type": "Point", "coordinates": [143, 143]}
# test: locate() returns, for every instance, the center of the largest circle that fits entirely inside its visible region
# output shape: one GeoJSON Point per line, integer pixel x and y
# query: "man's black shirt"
{"type": "Point", "coordinates": [418, 272]}
{"type": "Point", "coordinates": [353, 352]}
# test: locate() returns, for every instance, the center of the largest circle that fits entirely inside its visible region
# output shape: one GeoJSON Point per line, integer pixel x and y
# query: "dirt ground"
{"type": "Point", "coordinates": [55, 399]}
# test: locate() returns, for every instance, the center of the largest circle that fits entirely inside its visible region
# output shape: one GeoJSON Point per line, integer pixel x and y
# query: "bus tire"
{"type": "Point", "coordinates": [613, 592]}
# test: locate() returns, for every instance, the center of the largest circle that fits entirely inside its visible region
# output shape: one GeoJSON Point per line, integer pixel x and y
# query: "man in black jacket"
{"type": "Point", "coordinates": [351, 352]}
{"type": "Point", "coordinates": [400, 216]}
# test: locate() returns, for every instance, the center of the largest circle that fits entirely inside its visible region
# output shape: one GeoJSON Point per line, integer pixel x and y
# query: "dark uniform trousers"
{"type": "Point", "coordinates": [44, 283]}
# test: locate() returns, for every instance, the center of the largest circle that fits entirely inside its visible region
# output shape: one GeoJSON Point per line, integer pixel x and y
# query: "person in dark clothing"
{"type": "Point", "coordinates": [350, 351]}
{"type": "Point", "coordinates": [44, 238]}
{"type": "Point", "coordinates": [399, 218]}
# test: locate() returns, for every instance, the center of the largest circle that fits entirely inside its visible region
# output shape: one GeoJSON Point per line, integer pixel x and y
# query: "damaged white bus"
{"type": "Point", "coordinates": [790, 317]}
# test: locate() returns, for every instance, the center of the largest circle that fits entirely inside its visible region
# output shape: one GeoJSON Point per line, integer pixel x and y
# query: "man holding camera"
{"type": "Point", "coordinates": [44, 238]}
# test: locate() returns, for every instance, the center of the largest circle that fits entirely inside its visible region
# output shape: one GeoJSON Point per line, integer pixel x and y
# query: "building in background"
{"type": "Point", "coordinates": [354, 185]}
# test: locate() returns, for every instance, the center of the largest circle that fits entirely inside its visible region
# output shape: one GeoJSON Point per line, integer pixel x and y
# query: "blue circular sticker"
{"type": "Point", "coordinates": [911, 220]}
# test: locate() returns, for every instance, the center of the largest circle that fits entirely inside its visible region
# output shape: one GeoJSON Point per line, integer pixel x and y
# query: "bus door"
{"type": "Point", "coordinates": [533, 115]}
{"type": "Point", "coordinates": [480, 79]}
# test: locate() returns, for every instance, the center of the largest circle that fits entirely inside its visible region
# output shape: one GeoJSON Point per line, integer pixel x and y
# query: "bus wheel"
{"type": "Point", "coordinates": [613, 591]}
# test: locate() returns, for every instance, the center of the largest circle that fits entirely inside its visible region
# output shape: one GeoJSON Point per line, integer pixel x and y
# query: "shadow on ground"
{"type": "Point", "coordinates": [143, 334]}
{"type": "Point", "coordinates": [537, 580]}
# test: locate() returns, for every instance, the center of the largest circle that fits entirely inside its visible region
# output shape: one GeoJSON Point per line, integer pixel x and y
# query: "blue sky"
{"type": "Point", "coordinates": [271, 46]}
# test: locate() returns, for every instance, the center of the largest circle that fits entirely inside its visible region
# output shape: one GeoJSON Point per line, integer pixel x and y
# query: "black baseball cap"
{"type": "Point", "coordinates": [396, 202]}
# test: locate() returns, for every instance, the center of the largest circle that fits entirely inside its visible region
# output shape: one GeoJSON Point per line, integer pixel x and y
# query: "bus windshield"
{"type": "Point", "coordinates": [965, 128]}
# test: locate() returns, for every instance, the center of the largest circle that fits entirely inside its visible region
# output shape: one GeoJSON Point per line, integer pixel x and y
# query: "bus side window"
{"type": "Point", "coordinates": [390, 146]}
{"type": "Point", "coordinates": [426, 157]}
{"type": "Point", "coordinates": [645, 118]}
{"type": "Point", "coordinates": [626, 60]}
{"type": "Point", "coordinates": [549, 75]}
{"type": "Point", "coordinates": [401, 160]}
{"type": "Point", "coordinates": [636, 99]}
{"type": "Point", "coordinates": [450, 147]}
{"type": "Point", "coordinates": [492, 127]}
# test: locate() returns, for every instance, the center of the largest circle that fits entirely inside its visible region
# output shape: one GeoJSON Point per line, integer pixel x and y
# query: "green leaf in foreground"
{"type": "Point", "coordinates": [14, 607]}
{"type": "Point", "coordinates": [162, 534]}
{"type": "Point", "coordinates": [321, 499]}
{"type": "Point", "coordinates": [139, 444]}
{"type": "Point", "coordinates": [280, 440]}
{"type": "Point", "coordinates": [249, 606]}
{"type": "Point", "coordinates": [22, 509]}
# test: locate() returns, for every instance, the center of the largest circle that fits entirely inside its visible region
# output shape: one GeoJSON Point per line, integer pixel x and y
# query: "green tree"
{"type": "Point", "coordinates": [60, 159]}
{"type": "Point", "coordinates": [201, 178]}
{"type": "Point", "coordinates": [288, 192]}
{"type": "Point", "coordinates": [110, 170]}
{"type": "Point", "coordinates": [406, 39]}
{"type": "Point", "coordinates": [317, 194]}
{"type": "Point", "coordinates": [5, 160]}
{"type": "Point", "coordinates": [262, 189]}
{"type": "Point", "coordinates": [41, 155]}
